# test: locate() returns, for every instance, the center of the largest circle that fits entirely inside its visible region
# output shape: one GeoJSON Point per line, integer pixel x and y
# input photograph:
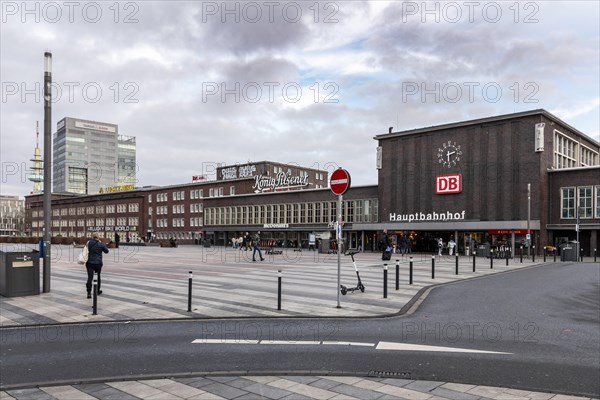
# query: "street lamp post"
{"type": "Point", "coordinates": [47, 166]}
{"type": "Point", "coordinates": [528, 217]}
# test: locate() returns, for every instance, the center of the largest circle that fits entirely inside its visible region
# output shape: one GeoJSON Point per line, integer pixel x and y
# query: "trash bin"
{"type": "Point", "coordinates": [206, 242]}
{"type": "Point", "coordinates": [568, 251]}
{"type": "Point", "coordinates": [19, 273]}
{"type": "Point", "coordinates": [483, 250]}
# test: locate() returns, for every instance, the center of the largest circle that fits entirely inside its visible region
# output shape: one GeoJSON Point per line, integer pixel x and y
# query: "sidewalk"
{"type": "Point", "coordinates": [148, 283]}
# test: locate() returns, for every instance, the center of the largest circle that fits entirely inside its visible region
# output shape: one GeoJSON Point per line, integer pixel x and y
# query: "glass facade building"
{"type": "Point", "coordinates": [90, 156]}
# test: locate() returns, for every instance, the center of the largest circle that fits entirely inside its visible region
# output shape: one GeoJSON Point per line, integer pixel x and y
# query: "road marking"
{"type": "Point", "coordinates": [418, 347]}
{"type": "Point", "coordinates": [380, 346]}
{"type": "Point", "coordinates": [351, 344]}
{"type": "Point", "coordinates": [224, 341]}
{"type": "Point", "coordinates": [280, 342]}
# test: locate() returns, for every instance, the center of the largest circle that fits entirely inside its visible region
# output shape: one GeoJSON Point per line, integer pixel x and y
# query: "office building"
{"type": "Point", "coordinates": [89, 156]}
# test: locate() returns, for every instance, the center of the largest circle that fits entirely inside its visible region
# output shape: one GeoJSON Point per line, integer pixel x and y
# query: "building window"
{"type": "Point", "coordinates": [585, 202]}
{"type": "Point", "coordinates": [588, 157]}
{"type": "Point", "coordinates": [134, 207]}
{"type": "Point", "coordinates": [564, 151]}
{"type": "Point", "coordinates": [231, 190]}
{"type": "Point", "coordinates": [568, 202]}
{"type": "Point", "coordinates": [597, 189]}
{"type": "Point", "coordinates": [149, 198]}
{"type": "Point", "coordinates": [220, 191]}
{"type": "Point", "coordinates": [211, 192]}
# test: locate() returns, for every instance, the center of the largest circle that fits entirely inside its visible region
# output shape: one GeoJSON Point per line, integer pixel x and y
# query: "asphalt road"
{"type": "Point", "coordinates": [535, 329]}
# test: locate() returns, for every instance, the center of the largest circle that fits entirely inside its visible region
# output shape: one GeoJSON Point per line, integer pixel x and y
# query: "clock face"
{"type": "Point", "coordinates": [449, 154]}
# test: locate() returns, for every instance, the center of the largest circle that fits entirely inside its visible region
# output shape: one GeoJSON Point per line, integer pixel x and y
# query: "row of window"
{"type": "Point", "coordinates": [109, 209]}
{"type": "Point", "coordinates": [194, 194]}
{"type": "Point", "coordinates": [580, 199]}
{"type": "Point", "coordinates": [296, 213]}
{"type": "Point", "coordinates": [177, 209]}
{"type": "Point", "coordinates": [121, 221]}
{"type": "Point", "coordinates": [569, 153]}
{"type": "Point", "coordinates": [177, 222]}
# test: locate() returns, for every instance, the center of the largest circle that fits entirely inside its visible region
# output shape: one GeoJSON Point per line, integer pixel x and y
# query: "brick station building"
{"type": "Point", "coordinates": [466, 181]}
{"type": "Point", "coordinates": [283, 201]}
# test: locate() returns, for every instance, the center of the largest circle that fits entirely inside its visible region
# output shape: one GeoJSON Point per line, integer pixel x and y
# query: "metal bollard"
{"type": "Point", "coordinates": [594, 255]}
{"type": "Point", "coordinates": [397, 274]}
{"type": "Point", "coordinates": [581, 252]}
{"type": "Point", "coordinates": [385, 269]}
{"type": "Point", "coordinates": [190, 291]}
{"type": "Point", "coordinates": [410, 272]}
{"type": "Point", "coordinates": [95, 296]}
{"type": "Point", "coordinates": [456, 265]}
{"type": "Point", "coordinates": [474, 254]}
{"type": "Point", "coordinates": [544, 254]}
{"type": "Point", "coordinates": [491, 259]}
{"type": "Point", "coordinates": [279, 289]}
{"type": "Point", "coordinates": [521, 254]}
{"type": "Point", "coordinates": [533, 259]}
{"type": "Point", "coordinates": [554, 251]}
{"type": "Point", "coordinates": [507, 258]}
{"type": "Point", "coordinates": [432, 267]}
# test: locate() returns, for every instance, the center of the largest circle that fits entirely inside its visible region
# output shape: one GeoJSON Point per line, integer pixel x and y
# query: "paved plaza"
{"type": "Point", "coordinates": [141, 283]}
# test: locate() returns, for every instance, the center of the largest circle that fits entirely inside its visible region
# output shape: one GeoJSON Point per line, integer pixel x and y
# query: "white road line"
{"type": "Point", "coordinates": [380, 346]}
{"type": "Point", "coordinates": [417, 347]}
{"type": "Point", "coordinates": [224, 341]}
{"type": "Point", "coordinates": [280, 342]}
{"type": "Point", "coordinates": [351, 344]}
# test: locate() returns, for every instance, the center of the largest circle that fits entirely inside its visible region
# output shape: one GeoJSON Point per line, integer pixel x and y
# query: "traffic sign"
{"type": "Point", "coordinates": [340, 181]}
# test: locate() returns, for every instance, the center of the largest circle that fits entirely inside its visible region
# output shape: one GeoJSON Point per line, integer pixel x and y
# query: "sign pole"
{"type": "Point", "coordinates": [339, 183]}
{"type": "Point", "coordinates": [339, 256]}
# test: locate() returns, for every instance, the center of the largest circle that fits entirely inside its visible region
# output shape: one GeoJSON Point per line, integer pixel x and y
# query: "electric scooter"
{"type": "Point", "coordinates": [359, 286]}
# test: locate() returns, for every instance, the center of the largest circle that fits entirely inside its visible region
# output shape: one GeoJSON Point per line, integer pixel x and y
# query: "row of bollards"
{"type": "Point", "coordinates": [385, 276]}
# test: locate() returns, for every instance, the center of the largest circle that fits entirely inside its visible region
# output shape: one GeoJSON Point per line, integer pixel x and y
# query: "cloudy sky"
{"type": "Point", "coordinates": [306, 82]}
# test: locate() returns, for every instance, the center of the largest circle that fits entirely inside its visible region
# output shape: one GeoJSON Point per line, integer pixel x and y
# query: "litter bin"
{"type": "Point", "coordinates": [206, 242]}
{"type": "Point", "coordinates": [568, 251]}
{"type": "Point", "coordinates": [19, 273]}
{"type": "Point", "coordinates": [483, 250]}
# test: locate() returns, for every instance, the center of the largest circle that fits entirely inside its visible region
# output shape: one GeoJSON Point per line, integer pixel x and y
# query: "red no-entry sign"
{"type": "Point", "coordinates": [340, 181]}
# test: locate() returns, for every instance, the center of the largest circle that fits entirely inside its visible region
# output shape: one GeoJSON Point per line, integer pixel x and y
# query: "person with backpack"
{"type": "Point", "coordinates": [94, 262]}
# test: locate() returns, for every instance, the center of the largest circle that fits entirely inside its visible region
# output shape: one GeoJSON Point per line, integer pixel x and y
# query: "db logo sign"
{"type": "Point", "coordinates": [448, 184]}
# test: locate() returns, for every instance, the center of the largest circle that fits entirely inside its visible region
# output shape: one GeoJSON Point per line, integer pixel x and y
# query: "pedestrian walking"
{"type": "Point", "coordinates": [451, 245]}
{"type": "Point", "coordinates": [440, 246]}
{"type": "Point", "coordinates": [256, 247]}
{"type": "Point", "coordinates": [117, 240]}
{"type": "Point", "coordinates": [94, 263]}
